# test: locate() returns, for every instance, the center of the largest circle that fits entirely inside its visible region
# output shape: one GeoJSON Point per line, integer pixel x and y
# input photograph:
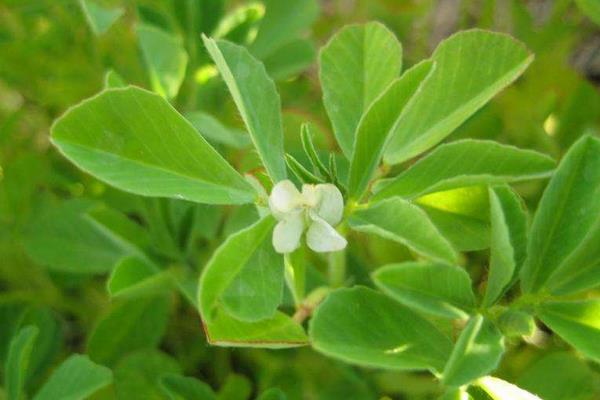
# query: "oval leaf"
{"type": "Point", "coordinates": [165, 57]}
{"type": "Point", "coordinates": [75, 379]}
{"type": "Point", "coordinates": [563, 245]}
{"type": "Point", "coordinates": [439, 289]}
{"type": "Point", "coordinates": [135, 141]}
{"type": "Point", "coordinates": [378, 123]}
{"type": "Point", "coordinates": [245, 275]}
{"type": "Point", "coordinates": [471, 67]}
{"type": "Point", "coordinates": [466, 163]}
{"type": "Point", "coordinates": [508, 238]}
{"type": "Point", "coordinates": [257, 101]}
{"type": "Point", "coordinates": [357, 64]}
{"type": "Point", "coordinates": [577, 322]}
{"type": "Point", "coordinates": [398, 220]}
{"type": "Point", "coordinates": [364, 327]}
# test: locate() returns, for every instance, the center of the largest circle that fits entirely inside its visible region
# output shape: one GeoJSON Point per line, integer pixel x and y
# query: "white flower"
{"type": "Point", "coordinates": [318, 208]}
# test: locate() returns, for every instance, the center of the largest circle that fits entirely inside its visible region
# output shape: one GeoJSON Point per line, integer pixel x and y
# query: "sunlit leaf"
{"type": "Point", "coordinates": [471, 67]}
{"type": "Point", "coordinates": [438, 289]}
{"type": "Point", "coordinates": [562, 252]}
{"type": "Point", "coordinates": [403, 222]}
{"type": "Point", "coordinates": [378, 123]}
{"type": "Point", "coordinates": [466, 163]}
{"type": "Point", "coordinates": [364, 327]}
{"type": "Point", "coordinates": [245, 275]}
{"type": "Point", "coordinates": [357, 64]}
{"type": "Point", "coordinates": [257, 101]}
{"type": "Point", "coordinates": [135, 141]}
{"type": "Point", "coordinates": [577, 322]}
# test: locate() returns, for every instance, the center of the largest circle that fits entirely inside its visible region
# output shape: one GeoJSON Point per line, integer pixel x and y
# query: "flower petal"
{"type": "Point", "coordinates": [321, 237]}
{"type": "Point", "coordinates": [284, 198]}
{"type": "Point", "coordinates": [310, 195]}
{"type": "Point", "coordinates": [330, 206]}
{"type": "Point", "coordinates": [287, 233]}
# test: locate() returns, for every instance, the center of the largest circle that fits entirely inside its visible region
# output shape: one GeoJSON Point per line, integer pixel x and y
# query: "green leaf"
{"type": "Point", "coordinates": [48, 343]}
{"type": "Point", "coordinates": [439, 289]}
{"type": "Point", "coordinates": [67, 239]}
{"type": "Point", "coordinates": [464, 232]}
{"type": "Point", "coordinates": [132, 236]}
{"type": "Point", "coordinates": [515, 323]}
{"type": "Point", "coordinates": [466, 163]}
{"type": "Point", "coordinates": [471, 67]}
{"type": "Point", "coordinates": [131, 325]}
{"type": "Point", "coordinates": [244, 275]}
{"type": "Point", "coordinates": [508, 238]}
{"type": "Point", "coordinates": [113, 80]}
{"type": "Point", "coordinates": [497, 389]}
{"type": "Point", "coordinates": [278, 332]}
{"type": "Point", "coordinates": [16, 368]}
{"type": "Point", "coordinates": [308, 146]}
{"type": "Point", "coordinates": [461, 215]}
{"type": "Point", "coordinates": [378, 124]}
{"type": "Point", "coordinates": [214, 131]}
{"type": "Point", "coordinates": [290, 59]}
{"type": "Point", "coordinates": [99, 18]}
{"type": "Point", "coordinates": [138, 375]}
{"type": "Point", "coordinates": [573, 380]}
{"type": "Point", "coordinates": [476, 353]}
{"type": "Point", "coordinates": [562, 251]}
{"type": "Point", "coordinates": [135, 141]}
{"type": "Point", "coordinates": [75, 379]}
{"type": "Point", "coordinates": [283, 22]}
{"type": "Point", "coordinates": [364, 327]}
{"type": "Point", "coordinates": [134, 277]}
{"type": "Point", "coordinates": [403, 222]}
{"type": "Point", "coordinates": [355, 67]}
{"type": "Point", "coordinates": [577, 322]}
{"type": "Point", "coordinates": [303, 174]}
{"type": "Point", "coordinates": [165, 58]}
{"type": "Point", "coordinates": [256, 98]}
{"type": "Point", "coordinates": [591, 8]}
{"type": "Point", "coordinates": [185, 388]}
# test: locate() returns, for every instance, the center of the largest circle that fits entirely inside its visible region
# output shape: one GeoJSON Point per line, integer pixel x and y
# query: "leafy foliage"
{"type": "Point", "coordinates": [402, 244]}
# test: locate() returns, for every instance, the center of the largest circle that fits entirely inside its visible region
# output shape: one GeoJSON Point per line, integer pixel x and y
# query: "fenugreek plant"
{"type": "Point", "coordinates": [287, 278]}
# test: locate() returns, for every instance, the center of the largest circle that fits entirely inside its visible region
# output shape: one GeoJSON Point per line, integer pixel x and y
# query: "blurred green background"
{"type": "Point", "coordinates": [54, 263]}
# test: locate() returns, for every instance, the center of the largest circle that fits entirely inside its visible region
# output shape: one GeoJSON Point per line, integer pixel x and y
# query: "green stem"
{"type": "Point", "coordinates": [337, 268]}
{"type": "Point", "coordinates": [294, 278]}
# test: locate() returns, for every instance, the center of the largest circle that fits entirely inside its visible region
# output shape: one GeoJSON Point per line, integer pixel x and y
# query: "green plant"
{"type": "Point", "coordinates": [409, 236]}
{"type": "Point", "coordinates": [426, 315]}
